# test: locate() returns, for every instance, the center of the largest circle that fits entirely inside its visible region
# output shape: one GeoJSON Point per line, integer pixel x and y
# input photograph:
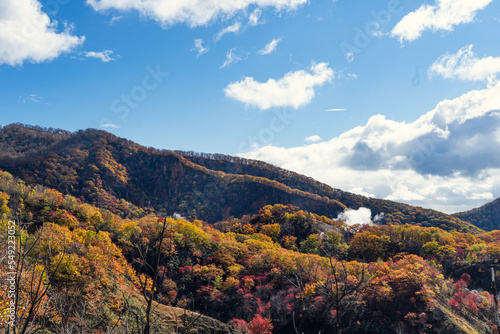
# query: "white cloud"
{"type": "Point", "coordinates": [403, 193]}
{"type": "Point", "coordinates": [198, 47]}
{"type": "Point", "coordinates": [254, 17]}
{"type": "Point", "coordinates": [445, 15]}
{"type": "Point", "coordinates": [361, 191]}
{"type": "Point", "coordinates": [178, 216]}
{"type": "Point", "coordinates": [377, 31]}
{"type": "Point", "coordinates": [336, 109]}
{"type": "Point", "coordinates": [109, 126]}
{"type": "Point", "coordinates": [235, 28]}
{"type": "Point", "coordinates": [30, 98]}
{"type": "Point", "coordinates": [231, 57]}
{"type": "Point", "coordinates": [193, 12]}
{"type": "Point", "coordinates": [464, 65]}
{"type": "Point", "coordinates": [349, 56]}
{"type": "Point", "coordinates": [447, 159]}
{"type": "Point", "coordinates": [28, 34]}
{"type": "Point", "coordinates": [115, 19]}
{"type": "Point", "coordinates": [270, 47]}
{"type": "Point", "coordinates": [312, 139]}
{"type": "Point", "coordinates": [295, 89]}
{"type": "Point", "coordinates": [104, 56]}
{"type": "Point", "coordinates": [361, 216]}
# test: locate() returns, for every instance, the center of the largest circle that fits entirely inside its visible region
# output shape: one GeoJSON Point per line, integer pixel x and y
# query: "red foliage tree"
{"type": "Point", "coordinates": [260, 325]}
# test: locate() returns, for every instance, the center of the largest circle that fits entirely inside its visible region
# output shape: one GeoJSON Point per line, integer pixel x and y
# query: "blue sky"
{"type": "Point", "coordinates": [347, 92]}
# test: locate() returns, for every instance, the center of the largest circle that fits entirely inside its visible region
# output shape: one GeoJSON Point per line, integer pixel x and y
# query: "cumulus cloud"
{"type": "Point", "coordinates": [447, 159]}
{"type": "Point", "coordinates": [464, 65]}
{"type": "Point", "coordinates": [28, 34]}
{"type": "Point", "coordinates": [361, 191]}
{"type": "Point", "coordinates": [104, 56]}
{"type": "Point", "coordinates": [444, 15]}
{"type": "Point", "coordinates": [312, 139]}
{"type": "Point", "coordinates": [270, 47]}
{"type": "Point", "coordinates": [198, 47]}
{"type": "Point", "coordinates": [195, 12]}
{"type": "Point", "coordinates": [295, 89]}
{"type": "Point", "coordinates": [361, 216]}
{"type": "Point", "coordinates": [235, 28]}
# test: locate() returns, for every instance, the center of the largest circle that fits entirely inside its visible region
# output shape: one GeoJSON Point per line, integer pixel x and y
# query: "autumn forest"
{"type": "Point", "coordinates": [102, 235]}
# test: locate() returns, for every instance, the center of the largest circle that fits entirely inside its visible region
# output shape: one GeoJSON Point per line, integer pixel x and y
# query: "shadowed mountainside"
{"type": "Point", "coordinates": [132, 180]}
{"type": "Point", "coordinates": [486, 217]}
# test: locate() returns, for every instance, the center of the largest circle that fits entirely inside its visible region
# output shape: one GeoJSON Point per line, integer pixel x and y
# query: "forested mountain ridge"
{"type": "Point", "coordinates": [276, 272]}
{"type": "Point", "coordinates": [132, 180]}
{"type": "Point", "coordinates": [394, 212]}
{"type": "Point", "coordinates": [486, 217]}
{"type": "Point", "coordinates": [271, 269]}
{"type": "Point", "coordinates": [109, 171]}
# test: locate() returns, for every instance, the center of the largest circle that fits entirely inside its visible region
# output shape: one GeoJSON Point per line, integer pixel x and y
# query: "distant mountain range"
{"type": "Point", "coordinates": [132, 180]}
{"type": "Point", "coordinates": [486, 217]}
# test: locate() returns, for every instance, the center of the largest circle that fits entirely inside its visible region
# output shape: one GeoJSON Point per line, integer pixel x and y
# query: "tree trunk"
{"type": "Point", "coordinates": [495, 296]}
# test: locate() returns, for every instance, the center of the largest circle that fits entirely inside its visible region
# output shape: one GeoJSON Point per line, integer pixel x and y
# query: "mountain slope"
{"type": "Point", "coordinates": [132, 180]}
{"type": "Point", "coordinates": [264, 269]}
{"type": "Point", "coordinates": [486, 217]}
{"type": "Point", "coordinates": [106, 170]}
{"type": "Point", "coordinates": [394, 212]}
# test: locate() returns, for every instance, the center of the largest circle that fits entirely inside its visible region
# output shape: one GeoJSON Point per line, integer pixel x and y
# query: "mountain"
{"type": "Point", "coordinates": [392, 212]}
{"type": "Point", "coordinates": [278, 269]}
{"type": "Point", "coordinates": [265, 273]}
{"type": "Point", "coordinates": [486, 217]}
{"type": "Point", "coordinates": [131, 180]}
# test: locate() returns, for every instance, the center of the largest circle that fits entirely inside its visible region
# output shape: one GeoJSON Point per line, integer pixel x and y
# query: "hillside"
{"type": "Point", "coordinates": [132, 180]}
{"type": "Point", "coordinates": [280, 270]}
{"type": "Point", "coordinates": [486, 217]}
{"type": "Point", "coordinates": [394, 212]}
